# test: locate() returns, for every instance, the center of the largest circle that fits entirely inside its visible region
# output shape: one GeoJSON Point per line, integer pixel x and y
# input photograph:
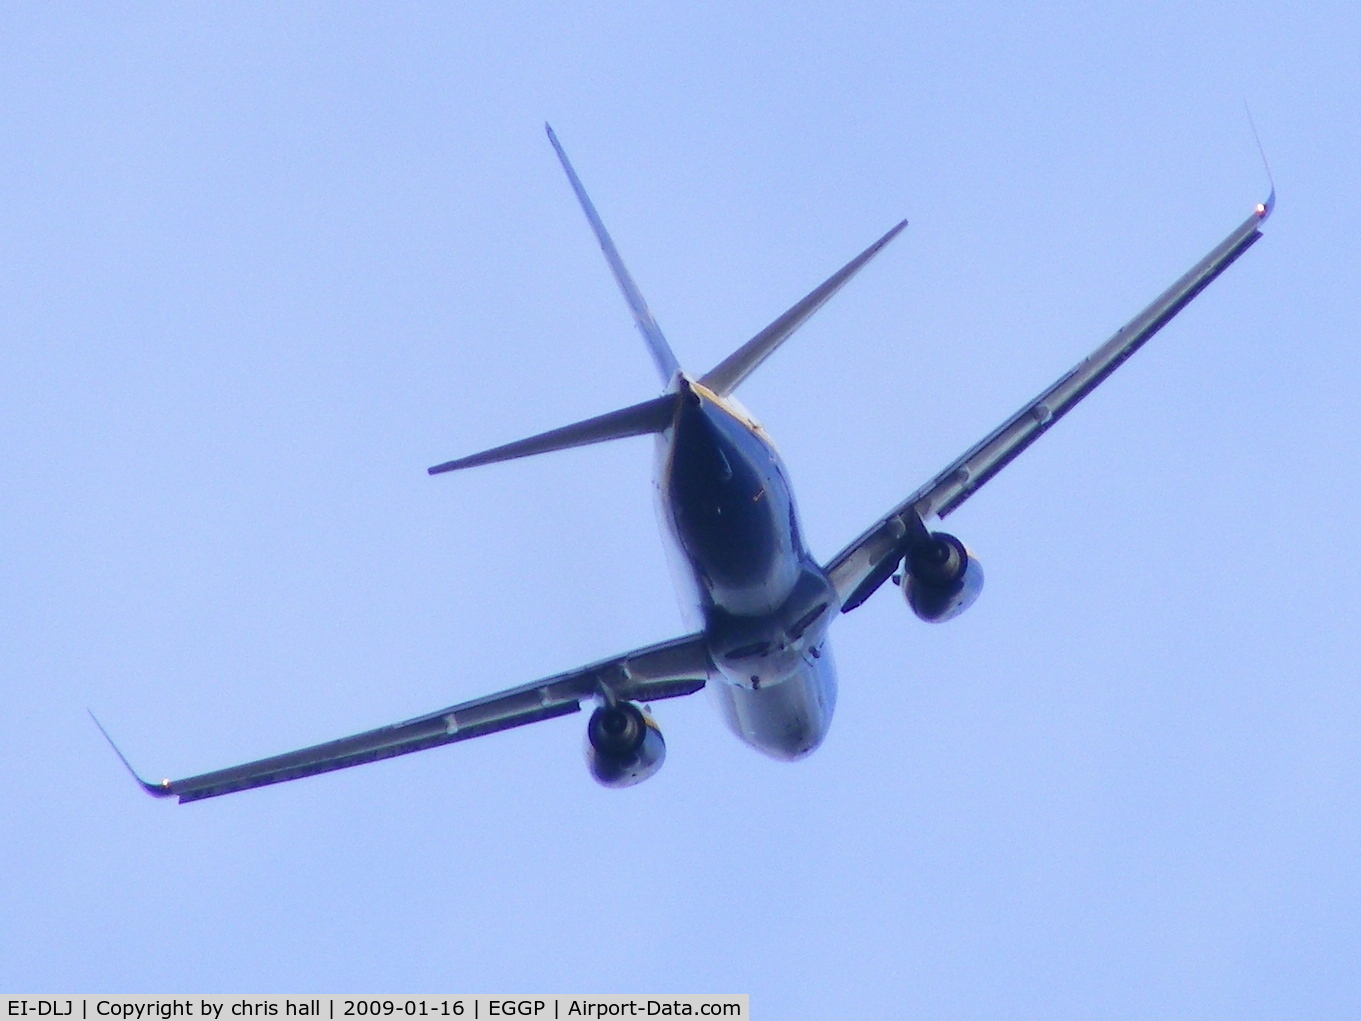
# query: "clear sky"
{"type": "Point", "coordinates": [262, 264]}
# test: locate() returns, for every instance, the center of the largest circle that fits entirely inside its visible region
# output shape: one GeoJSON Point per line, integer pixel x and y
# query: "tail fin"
{"type": "Point", "coordinates": [667, 366]}
{"type": "Point", "coordinates": [649, 417]}
{"type": "Point", "coordinates": [726, 375]}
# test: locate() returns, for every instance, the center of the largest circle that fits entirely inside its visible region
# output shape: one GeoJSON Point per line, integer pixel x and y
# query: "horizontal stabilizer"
{"type": "Point", "coordinates": [649, 417]}
{"type": "Point", "coordinates": [727, 374]}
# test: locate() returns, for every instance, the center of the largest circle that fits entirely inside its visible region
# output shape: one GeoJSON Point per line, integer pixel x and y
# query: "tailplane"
{"type": "Point", "coordinates": [726, 375]}
{"type": "Point", "coordinates": [656, 415]}
{"type": "Point", "coordinates": [649, 417]}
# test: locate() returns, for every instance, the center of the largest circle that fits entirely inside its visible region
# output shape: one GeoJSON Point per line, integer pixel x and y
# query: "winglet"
{"type": "Point", "coordinates": [156, 790]}
{"type": "Point", "coordinates": [667, 366]}
{"type": "Point", "coordinates": [1264, 208]}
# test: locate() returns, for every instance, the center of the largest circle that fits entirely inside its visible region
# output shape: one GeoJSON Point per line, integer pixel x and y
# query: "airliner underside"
{"type": "Point", "coordinates": [761, 603]}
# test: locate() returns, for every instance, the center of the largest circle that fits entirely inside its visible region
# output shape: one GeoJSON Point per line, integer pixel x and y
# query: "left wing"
{"type": "Point", "coordinates": [865, 564]}
{"type": "Point", "coordinates": [678, 667]}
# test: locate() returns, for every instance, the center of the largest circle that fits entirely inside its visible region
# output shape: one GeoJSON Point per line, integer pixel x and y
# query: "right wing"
{"type": "Point", "coordinates": [667, 670]}
{"type": "Point", "coordinates": [865, 564]}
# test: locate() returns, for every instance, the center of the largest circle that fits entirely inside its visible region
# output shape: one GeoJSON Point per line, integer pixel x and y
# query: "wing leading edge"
{"type": "Point", "coordinates": [866, 563]}
{"type": "Point", "coordinates": [667, 670]}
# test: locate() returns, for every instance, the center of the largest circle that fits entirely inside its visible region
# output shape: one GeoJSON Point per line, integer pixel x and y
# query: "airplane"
{"type": "Point", "coordinates": [759, 603]}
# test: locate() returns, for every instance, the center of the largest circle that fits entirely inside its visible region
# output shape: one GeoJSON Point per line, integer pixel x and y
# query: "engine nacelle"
{"type": "Point", "coordinates": [624, 745]}
{"type": "Point", "coordinates": [941, 579]}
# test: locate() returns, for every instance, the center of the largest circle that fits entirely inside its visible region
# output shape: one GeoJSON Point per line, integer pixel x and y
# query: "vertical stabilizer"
{"type": "Point", "coordinates": [667, 366]}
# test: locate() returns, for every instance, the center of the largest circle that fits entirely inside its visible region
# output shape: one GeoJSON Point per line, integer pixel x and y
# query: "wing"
{"type": "Point", "coordinates": [865, 564]}
{"type": "Point", "coordinates": [678, 667]}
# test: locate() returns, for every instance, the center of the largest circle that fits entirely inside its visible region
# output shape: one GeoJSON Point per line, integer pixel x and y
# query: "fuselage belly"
{"type": "Point", "coordinates": [762, 601]}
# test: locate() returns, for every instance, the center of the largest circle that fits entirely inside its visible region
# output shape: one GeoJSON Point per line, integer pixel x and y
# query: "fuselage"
{"type": "Point", "coordinates": [744, 575]}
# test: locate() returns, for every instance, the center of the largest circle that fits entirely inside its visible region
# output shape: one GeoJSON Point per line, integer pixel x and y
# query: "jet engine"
{"type": "Point", "coordinates": [941, 579]}
{"type": "Point", "coordinates": [624, 746]}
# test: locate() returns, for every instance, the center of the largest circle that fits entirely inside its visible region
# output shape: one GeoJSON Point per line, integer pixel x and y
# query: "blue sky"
{"type": "Point", "coordinates": [264, 263]}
